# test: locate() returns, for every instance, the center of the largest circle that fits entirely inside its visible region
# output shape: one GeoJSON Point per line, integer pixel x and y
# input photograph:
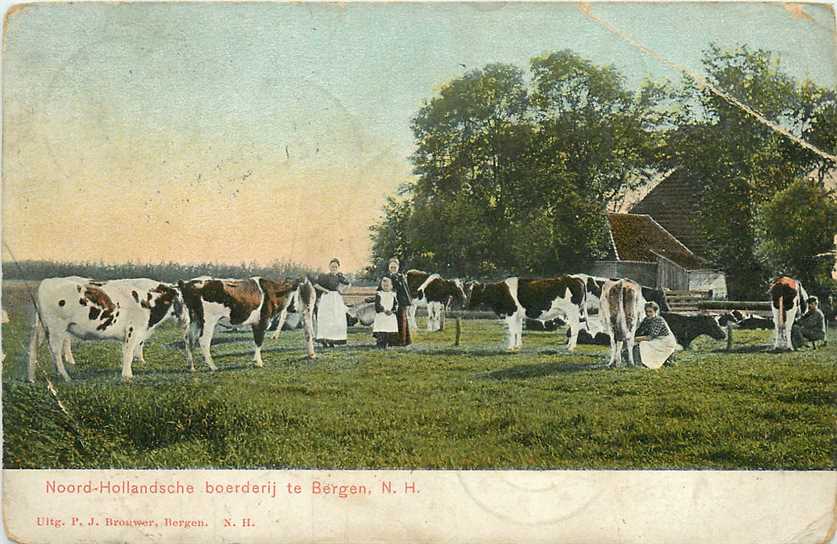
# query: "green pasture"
{"type": "Point", "coordinates": [428, 406]}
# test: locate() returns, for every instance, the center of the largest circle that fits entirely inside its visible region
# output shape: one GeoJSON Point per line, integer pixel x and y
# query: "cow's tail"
{"type": "Point", "coordinates": [781, 317]}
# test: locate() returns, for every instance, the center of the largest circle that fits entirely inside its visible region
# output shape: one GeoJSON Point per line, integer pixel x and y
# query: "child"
{"type": "Point", "coordinates": [386, 321]}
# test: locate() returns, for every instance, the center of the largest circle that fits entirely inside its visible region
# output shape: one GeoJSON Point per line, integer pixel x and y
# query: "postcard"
{"type": "Point", "coordinates": [419, 272]}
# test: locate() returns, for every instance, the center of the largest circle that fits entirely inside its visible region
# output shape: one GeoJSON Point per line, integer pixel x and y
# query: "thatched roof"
{"type": "Point", "coordinates": [638, 237]}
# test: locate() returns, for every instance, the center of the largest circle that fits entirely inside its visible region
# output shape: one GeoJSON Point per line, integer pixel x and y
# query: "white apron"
{"type": "Point", "coordinates": [655, 352]}
{"type": "Point", "coordinates": [331, 317]}
{"type": "Point", "coordinates": [384, 322]}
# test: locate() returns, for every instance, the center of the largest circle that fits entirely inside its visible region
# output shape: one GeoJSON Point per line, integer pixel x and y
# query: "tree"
{"type": "Point", "coordinates": [796, 225]}
{"type": "Point", "coordinates": [739, 162]}
{"type": "Point", "coordinates": [514, 178]}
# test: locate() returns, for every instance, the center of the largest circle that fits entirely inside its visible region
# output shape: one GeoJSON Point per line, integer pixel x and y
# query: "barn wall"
{"type": "Point", "coordinates": [641, 272]}
{"type": "Point", "coordinates": [671, 275]}
{"type": "Point", "coordinates": [708, 280]}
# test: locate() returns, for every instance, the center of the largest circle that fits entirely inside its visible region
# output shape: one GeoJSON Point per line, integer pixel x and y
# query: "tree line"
{"type": "Point", "coordinates": [514, 171]}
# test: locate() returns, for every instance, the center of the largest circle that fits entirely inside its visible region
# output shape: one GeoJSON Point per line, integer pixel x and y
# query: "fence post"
{"type": "Point", "coordinates": [458, 331]}
{"type": "Point", "coordinates": [729, 336]}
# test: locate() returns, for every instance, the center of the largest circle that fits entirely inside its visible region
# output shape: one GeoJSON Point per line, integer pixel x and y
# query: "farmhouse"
{"type": "Point", "coordinates": [645, 251]}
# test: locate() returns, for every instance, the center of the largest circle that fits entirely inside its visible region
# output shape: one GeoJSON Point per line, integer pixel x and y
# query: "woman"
{"type": "Point", "coordinates": [402, 296]}
{"type": "Point", "coordinates": [331, 311]}
{"type": "Point", "coordinates": [654, 341]}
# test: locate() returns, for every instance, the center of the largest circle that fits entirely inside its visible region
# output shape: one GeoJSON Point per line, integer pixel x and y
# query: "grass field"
{"type": "Point", "coordinates": [429, 406]}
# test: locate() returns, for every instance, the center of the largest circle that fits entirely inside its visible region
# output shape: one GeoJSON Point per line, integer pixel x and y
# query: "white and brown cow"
{"type": "Point", "coordinates": [515, 299]}
{"type": "Point", "coordinates": [125, 310]}
{"type": "Point", "coordinates": [435, 293]}
{"type": "Point", "coordinates": [620, 311]}
{"type": "Point", "coordinates": [787, 298]}
{"type": "Point", "coordinates": [253, 301]}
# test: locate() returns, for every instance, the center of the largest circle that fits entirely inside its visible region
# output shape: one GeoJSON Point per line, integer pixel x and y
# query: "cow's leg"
{"type": "Point", "coordinates": [139, 355]}
{"type": "Point", "coordinates": [34, 343]}
{"type": "Point", "coordinates": [68, 352]}
{"type": "Point", "coordinates": [411, 316]}
{"type": "Point", "coordinates": [776, 328]}
{"type": "Point", "coordinates": [258, 340]}
{"type": "Point", "coordinates": [575, 325]}
{"type": "Point", "coordinates": [283, 316]}
{"type": "Point", "coordinates": [189, 333]}
{"type": "Point", "coordinates": [510, 333]}
{"type": "Point", "coordinates": [129, 348]}
{"type": "Point", "coordinates": [205, 341]}
{"type": "Point", "coordinates": [56, 349]}
{"type": "Point", "coordinates": [629, 342]}
{"type": "Point", "coordinates": [431, 317]}
{"type": "Point", "coordinates": [788, 326]}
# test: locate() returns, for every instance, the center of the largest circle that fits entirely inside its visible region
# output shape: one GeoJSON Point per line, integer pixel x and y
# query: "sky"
{"type": "Point", "coordinates": [151, 132]}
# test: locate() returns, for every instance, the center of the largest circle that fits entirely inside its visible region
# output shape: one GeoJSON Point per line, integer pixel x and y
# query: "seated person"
{"type": "Point", "coordinates": [811, 326]}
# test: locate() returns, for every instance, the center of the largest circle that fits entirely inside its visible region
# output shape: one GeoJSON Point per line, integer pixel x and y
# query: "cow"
{"type": "Point", "coordinates": [515, 299]}
{"type": "Point", "coordinates": [620, 311]}
{"type": "Point", "coordinates": [787, 298]}
{"type": "Point", "coordinates": [434, 292]}
{"type": "Point", "coordinates": [363, 313]}
{"type": "Point", "coordinates": [734, 318]}
{"type": "Point", "coordinates": [540, 325]}
{"type": "Point", "coordinates": [595, 284]}
{"type": "Point", "coordinates": [686, 328]}
{"type": "Point", "coordinates": [126, 310]}
{"type": "Point", "coordinates": [253, 301]}
{"type": "Point", "coordinates": [754, 322]}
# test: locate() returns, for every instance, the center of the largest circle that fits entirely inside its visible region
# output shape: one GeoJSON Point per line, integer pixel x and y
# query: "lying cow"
{"type": "Point", "coordinates": [620, 311]}
{"type": "Point", "coordinates": [787, 298]}
{"type": "Point", "coordinates": [436, 294]}
{"type": "Point", "coordinates": [541, 325]}
{"type": "Point", "coordinates": [515, 299]}
{"type": "Point", "coordinates": [253, 301]}
{"type": "Point", "coordinates": [754, 322]}
{"type": "Point", "coordinates": [125, 310]}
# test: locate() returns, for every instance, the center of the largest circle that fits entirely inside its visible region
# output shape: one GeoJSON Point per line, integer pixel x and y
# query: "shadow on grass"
{"type": "Point", "coordinates": [751, 348]}
{"type": "Point", "coordinates": [524, 372]}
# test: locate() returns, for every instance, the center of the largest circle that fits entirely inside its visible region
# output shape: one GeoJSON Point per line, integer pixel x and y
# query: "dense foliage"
{"type": "Point", "coordinates": [515, 171]}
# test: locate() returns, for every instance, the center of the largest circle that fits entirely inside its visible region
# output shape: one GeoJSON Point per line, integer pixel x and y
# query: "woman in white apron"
{"type": "Point", "coordinates": [385, 327]}
{"type": "Point", "coordinates": [331, 310]}
{"type": "Point", "coordinates": [654, 340]}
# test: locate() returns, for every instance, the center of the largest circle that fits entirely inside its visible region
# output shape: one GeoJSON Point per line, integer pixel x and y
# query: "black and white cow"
{"type": "Point", "coordinates": [125, 310]}
{"type": "Point", "coordinates": [515, 299]}
{"type": "Point", "coordinates": [435, 293]}
{"type": "Point", "coordinates": [787, 298]}
{"type": "Point", "coordinates": [595, 284]}
{"type": "Point", "coordinates": [253, 301]}
{"type": "Point", "coordinates": [620, 311]}
{"type": "Point", "coordinates": [686, 328]}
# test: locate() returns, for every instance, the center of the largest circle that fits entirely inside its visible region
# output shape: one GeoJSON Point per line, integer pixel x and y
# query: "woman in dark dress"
{"type": "Point", "coordinates": [402, 295]}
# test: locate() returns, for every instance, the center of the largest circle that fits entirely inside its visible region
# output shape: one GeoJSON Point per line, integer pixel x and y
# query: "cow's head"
{"type": "Point", "coordinates": [709, 326]}
{"type": "Point", "coordinates": [473, 294]}
{"type": "Point", "coordinates": [459, 297]}
{"type": "Point", "coordinates": [658, 296]}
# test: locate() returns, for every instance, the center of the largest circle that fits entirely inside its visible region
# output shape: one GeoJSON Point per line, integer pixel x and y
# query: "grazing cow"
{"type": "Point", "coordinates": [734, 317]}
{"type": "Point", "coordinates": [434, 292]}
{"type": "Point", "coordinates": [125, 310]}
{"type": "Point", "coordinates": [253, 301]}
{"type": "Point", "coordinates": [515, 299]}
{"type": "Point", "coordinates": [363, 313]}
{"type": "Point", "coordinates": [686, 328]}
{"type": "Point", "coordinates": [787, 298]}
{"type": "Point", "coordinates": [620, 311]}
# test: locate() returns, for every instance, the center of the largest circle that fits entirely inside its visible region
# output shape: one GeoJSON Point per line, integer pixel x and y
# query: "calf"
{"type": "Point", "coordinates": [787, 297]}
{"type": "Point", "coordinates": [686, 328]}
{"type": "Point", "coordinates": [434, 292]}
{"type": "Point", "coordinates": [620, 311]}
{"type": "Point", "coordinates": [253, 301]}
{"type": "Point", "coordinates": [125, 310]}
{"type": "Point", "coordinates": [515, 299]}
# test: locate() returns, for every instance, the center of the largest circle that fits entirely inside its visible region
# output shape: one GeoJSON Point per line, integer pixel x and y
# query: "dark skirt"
{"type": "Point", "coordinates": [403, 338]}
